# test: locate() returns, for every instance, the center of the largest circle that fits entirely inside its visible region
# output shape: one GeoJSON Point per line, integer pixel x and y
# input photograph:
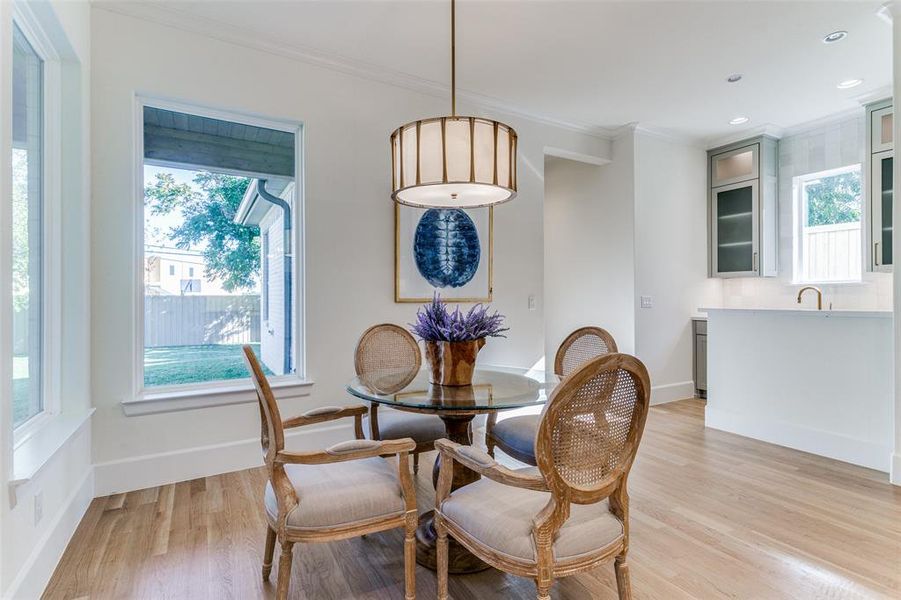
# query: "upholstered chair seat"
{"type": "Point", "coordinates": [501, 517]}
{"type": "Point", "coordinates": [516, 435]}
{"type": "Point", "coordinates": [396, 424]}
{"type": "Point", "coordinates": [341, 493]}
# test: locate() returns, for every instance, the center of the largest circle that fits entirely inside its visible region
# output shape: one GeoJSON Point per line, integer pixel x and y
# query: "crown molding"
{"type": "Point", "coordinates": [225, 32]}
{"type": "Point", "coordinates": [766, 129]}
{"type": "Point", "coordinates": [880, 93]}
{"type": "Point", "coordinates": [823, 122]}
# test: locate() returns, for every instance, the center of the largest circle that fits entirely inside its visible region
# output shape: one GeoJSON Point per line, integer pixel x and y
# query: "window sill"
{"type": "Point", "coordinates": [34, 452]}
{"type": "Point", "coordinates": [242, 392]}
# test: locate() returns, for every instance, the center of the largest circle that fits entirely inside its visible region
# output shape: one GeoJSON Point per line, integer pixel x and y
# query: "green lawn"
{"type": "Point", "coordinates": [174, 365]}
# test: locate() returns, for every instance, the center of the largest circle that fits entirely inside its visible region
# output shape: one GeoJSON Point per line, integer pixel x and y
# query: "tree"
{"type": "Point", "coordinates": [833, 200]}
{"type": "Point", "coordinates": [231, 251]}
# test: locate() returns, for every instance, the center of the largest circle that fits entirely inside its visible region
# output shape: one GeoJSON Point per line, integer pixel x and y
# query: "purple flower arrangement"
{"type": "Point", "coordinates": [435, 323]}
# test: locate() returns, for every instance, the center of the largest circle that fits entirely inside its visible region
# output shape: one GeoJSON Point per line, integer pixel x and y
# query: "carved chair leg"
{"type": "Point", "coordinates": [441, 560]}
{"type": "Point", "coordinates": [410, 556]}
{"type": "Point", "coordinates": [267, 553]}
{"type": "Point", "coordinates": [416, 463]}
{"type": "Point", "coordinates": [544, 589]}
{"type": "Point", "coordinates": [284, 571]}
{"type": "Point", "coordinates": [623, 582]}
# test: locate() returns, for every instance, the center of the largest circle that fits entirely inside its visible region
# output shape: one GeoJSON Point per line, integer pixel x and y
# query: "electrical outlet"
{"type": "Point", "coordinates": [38, 507]}
{"type": "Point", "coordinates": [531, 301]}
{"type": "Point", "coordinates": [647, 302]}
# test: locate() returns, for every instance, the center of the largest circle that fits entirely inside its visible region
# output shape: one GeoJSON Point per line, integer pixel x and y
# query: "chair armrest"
{"type": "Point", "coordinates": [483, 464]}
{"type": "Point", "coordinates": [351, 450]}
{"type": "Point", "coordinates": [325, 413]}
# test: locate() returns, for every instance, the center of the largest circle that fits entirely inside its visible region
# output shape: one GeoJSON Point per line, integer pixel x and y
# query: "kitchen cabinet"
{"type": "Point", "coordinates": [743, 209]}
{"type": "Point", "coordinates": [699, 361]}
{"type": "Point", "coordinates": [879, 182]}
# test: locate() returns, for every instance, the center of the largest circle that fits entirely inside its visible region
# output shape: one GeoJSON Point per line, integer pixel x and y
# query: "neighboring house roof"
{"type": "Point", "coordinates": [253, 208]}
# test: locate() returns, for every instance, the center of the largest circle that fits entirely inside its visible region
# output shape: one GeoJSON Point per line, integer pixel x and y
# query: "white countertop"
{"type": "Point", "coordinates": [807, 312]}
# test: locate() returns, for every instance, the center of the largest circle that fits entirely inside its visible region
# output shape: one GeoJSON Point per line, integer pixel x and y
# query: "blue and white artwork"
{"type": "Point", "coordinates": [447, 250]}
{"type": "Point", "coordinates": [446, 247]}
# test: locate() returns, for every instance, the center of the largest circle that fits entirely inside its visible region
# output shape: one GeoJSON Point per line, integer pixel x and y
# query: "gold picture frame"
{"type": "Point", "coordinates": [399, 293]}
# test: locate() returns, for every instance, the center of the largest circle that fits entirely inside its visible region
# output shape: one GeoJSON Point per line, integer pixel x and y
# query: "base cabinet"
{"type": "Point", "coordinates": [699, 335]}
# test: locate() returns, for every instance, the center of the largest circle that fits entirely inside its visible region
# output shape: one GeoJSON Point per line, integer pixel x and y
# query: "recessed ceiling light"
{"type": "Point", "coordinates": [735, 77]}
{"type": "Point", "coordinates": [739, 121]}
{"type": "Point", "coordinates": [849, 83]}
{"type": "Point", "coordinates": [835, 36]}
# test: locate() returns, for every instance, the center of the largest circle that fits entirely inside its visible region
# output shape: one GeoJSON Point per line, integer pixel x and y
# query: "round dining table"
{"type": "Point", "coordinates": [492, 389]}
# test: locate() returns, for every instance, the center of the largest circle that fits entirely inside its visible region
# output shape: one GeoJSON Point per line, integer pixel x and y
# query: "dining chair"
{"type": "Point", "coordinates": [554, 523]}
{"type": "Point", "coordinates": [516, 435]}
{"type": "Point", "coordinates": [390, 353]}
{"type": "Point", "coordinates": [344, 491]}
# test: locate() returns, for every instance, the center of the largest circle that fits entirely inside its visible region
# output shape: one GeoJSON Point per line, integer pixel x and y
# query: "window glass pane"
{"type": "Point", "coordinates": [830, 226]}
{"type": "Point", "coordinates": [205, 224]}
{"type": "Point", "coordinates": [27, 180]}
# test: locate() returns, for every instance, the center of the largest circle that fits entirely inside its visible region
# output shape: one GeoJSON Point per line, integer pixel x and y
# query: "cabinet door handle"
{"type": "Point", "coordinates": [876, 254]}
{"type": "Point", "coordinates": [754, 262]}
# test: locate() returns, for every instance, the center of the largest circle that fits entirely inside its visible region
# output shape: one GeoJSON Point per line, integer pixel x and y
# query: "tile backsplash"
{"type": "Point", "coordinates": [829, 146]}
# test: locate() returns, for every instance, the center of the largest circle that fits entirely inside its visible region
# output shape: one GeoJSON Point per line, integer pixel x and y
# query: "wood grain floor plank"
{"type": "Point", "coordinates": [714, 516]}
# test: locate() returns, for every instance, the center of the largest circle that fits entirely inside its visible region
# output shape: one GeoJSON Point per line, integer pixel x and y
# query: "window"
{"type": "Point", "coordinates": [27, 229]}
{"type": "Point", "coordinates": [828, 215]}
{"type": "Point", "coordinates": [214, 189]}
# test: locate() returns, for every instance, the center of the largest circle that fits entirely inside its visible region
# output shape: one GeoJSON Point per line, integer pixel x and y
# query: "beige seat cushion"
{"type": "Point", "coordinates": [500, 517]}
{"type": "Point", "coordinates": [397, 424]}
{"type": "Point", "coordinates": [340, 493]}
{"type": "Point", "coordinates": [518, 433]}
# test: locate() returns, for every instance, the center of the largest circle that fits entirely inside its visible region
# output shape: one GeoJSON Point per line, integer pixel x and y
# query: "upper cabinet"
{"type": "Point", "coordinates": [880, 156]}
{"type": "Point", "coordinates": [743, 208]}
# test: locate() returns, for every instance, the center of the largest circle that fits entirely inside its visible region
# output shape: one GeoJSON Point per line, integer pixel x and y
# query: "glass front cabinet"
{"type": "Point", "coordinates": [743, 228]}
{"type": "Point", "coordinates": [881, 156]}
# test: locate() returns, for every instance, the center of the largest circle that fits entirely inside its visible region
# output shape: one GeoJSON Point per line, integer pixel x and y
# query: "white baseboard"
{"type": "Point", "coordinates": [895, 476]}
{"type": "Point", "coordinates": [150, 470]}
{"type": "Point", "coordinates": [670, 392]}
{"type": "Point", "coordinates": [39, 566]}
{"type": "Point", "coordinates": [823, 443]}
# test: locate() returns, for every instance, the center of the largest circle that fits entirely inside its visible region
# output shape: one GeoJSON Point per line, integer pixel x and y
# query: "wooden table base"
{"type": "Point", "coordinates": [460, 560]}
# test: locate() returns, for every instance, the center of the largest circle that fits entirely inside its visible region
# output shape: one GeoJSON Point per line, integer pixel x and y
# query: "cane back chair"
{"type": "Point", "coordinates": [516, 435]}
{"type": "Point", "coordinates": [344, 491]}
{"type": "Point", "coordinates": [552, 523]}
{"type": "Point", "coordinates": [387, 358]}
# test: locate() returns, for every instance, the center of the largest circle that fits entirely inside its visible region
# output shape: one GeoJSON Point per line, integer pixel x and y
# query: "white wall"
{"type": "Point", "coordinates": [65, 483]}
{"type": "Point", "coordinates": [670, 259]}
{"type": "Point", "coordinates": [827, 146]}
{"type": "Point", "coordinates": [349, 226]}
{"type": "Point", "coordinates": [589, 273]}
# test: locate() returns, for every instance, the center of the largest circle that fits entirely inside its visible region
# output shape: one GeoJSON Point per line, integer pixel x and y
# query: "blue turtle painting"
{"type": "Point", "coordinates": [446, 247]}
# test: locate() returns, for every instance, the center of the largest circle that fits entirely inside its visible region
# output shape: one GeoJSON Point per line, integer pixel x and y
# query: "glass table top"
{"type": "Point", "coordinates": [492, 389]}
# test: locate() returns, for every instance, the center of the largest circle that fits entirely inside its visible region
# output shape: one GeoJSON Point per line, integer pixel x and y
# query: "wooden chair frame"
{"type": "Point", "coordinates": [272, 439]}
{"type": "Point", "coordinates": [491, 441]}
{"type": "Point", "coordinates": [374, 433]}
{"type": "Point", "coordinates": [551, 518]}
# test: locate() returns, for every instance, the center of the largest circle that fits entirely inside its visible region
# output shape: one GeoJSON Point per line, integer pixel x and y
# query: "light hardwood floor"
{"type": "Point", "coordinates": [714, 515]}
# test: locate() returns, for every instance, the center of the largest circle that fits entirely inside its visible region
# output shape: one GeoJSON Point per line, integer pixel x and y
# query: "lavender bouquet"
{"type": "Point", "coordinates": [435, 323]}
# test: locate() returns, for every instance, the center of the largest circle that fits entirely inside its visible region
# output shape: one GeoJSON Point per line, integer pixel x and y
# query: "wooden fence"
{"type": "Point", "coordinates": [201, 320]}
{"type": "Point", "coordinates": [832, 252]}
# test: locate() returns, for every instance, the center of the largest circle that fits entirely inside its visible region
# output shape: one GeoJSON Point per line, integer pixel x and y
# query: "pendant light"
{"type": "Point", "coordinates": [453, 161]}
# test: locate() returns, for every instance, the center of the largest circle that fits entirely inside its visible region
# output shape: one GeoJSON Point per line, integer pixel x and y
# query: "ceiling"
{"type": "Point", "coordinates": [592, 63]}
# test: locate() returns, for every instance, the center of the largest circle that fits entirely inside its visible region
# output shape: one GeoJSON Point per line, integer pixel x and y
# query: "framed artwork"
{"type": "Point", "coordinates": [444, 250]}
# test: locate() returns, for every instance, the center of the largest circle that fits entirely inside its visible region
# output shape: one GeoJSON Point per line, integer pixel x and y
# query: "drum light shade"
{"type": "Point", "coordinates": [460, 162]}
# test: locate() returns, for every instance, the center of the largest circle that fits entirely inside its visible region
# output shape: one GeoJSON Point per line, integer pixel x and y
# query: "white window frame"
{"type": "Point", "coordinates": [800, 217]}
{"type": "Point", "coordinates": [233, 391]}
{"type": "Point", "coordinates": [51, 292]}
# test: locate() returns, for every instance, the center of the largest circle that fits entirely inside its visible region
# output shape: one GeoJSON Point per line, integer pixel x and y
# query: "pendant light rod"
{"type": "Point", "coordinates": [453, 58]}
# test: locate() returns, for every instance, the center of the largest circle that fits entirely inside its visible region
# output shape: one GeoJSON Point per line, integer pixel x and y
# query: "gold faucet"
{"type": "Point", "coordinates": [819, 295]}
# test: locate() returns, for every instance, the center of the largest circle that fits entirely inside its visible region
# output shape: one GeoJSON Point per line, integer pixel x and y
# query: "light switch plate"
{"type": "Point", "coordinates": [531, 301]}
{"type": "Point", "coordinates": [647, 302]}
